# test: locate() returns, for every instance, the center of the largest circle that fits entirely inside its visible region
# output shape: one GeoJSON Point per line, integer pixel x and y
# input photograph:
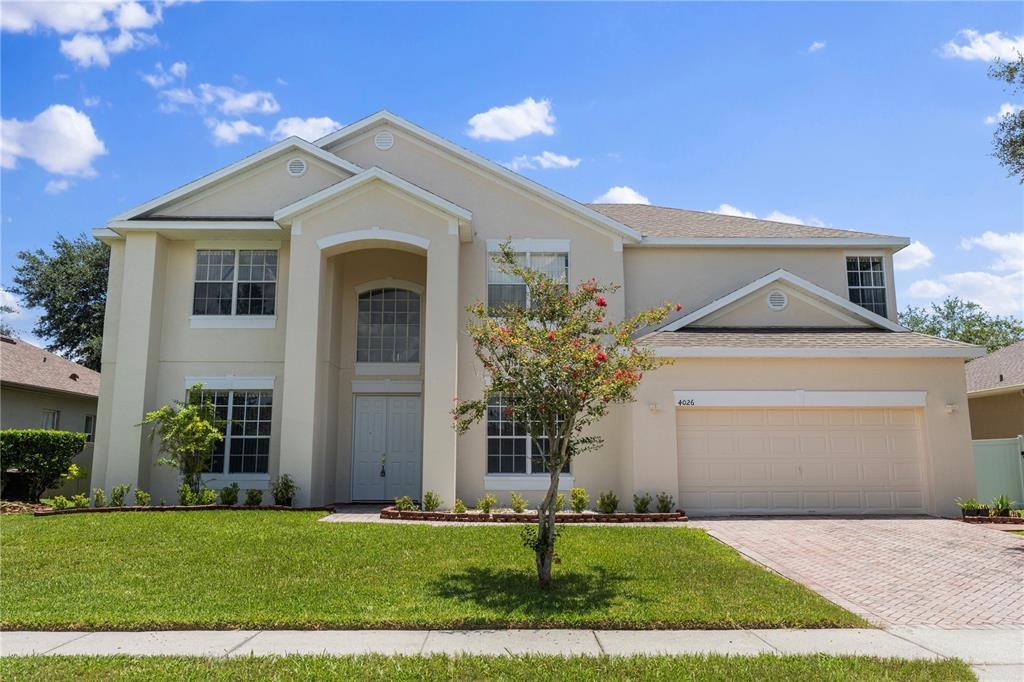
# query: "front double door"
{"type": "Point", "coordinates": [387, 456]}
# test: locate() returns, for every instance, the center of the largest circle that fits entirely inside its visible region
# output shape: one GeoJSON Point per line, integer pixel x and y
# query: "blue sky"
{"type": "Point", "coordinates": [865, 116]}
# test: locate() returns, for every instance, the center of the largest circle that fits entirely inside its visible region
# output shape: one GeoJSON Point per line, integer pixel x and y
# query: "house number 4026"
{"type": "Point", "coordinates": [686, 403]}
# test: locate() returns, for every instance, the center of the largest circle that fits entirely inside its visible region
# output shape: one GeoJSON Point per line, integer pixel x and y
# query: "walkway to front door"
{"type": "Point", "coordinates": [387, 452]}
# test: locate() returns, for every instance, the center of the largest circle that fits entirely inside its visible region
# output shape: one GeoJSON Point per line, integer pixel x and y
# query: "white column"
{"type": "Point", "coordinates": [440, 373]}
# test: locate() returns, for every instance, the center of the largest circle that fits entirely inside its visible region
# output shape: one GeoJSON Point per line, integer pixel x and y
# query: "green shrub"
{"type": "Point", "coordinates": [486, 503]}
{"type": "Point", "coordinates": [559, 502]}
{"type": "Point", "coordinates": [41, 456]}
{"type": "Point", "coordinates": [207, 496]}
{"type": "Point", "coordinates": [142, 498]}
{"type": "Point", "coordinates": [1002, 505]}
{"type": "Point", "coordinates": [969, 504]}
{"type": "Point", "coordinates": [99, 498]}
{"type": "Point", "coordinates": [185, 496]}
{"type": "Point", "coordinates": [253, 497]}
{"type": "Point", "coordinates": [1017, 513]}
{"type": "Point", "coordinates": [431, 501]}
{"type": "Point", "coordinates": [118, 493]}
{"type": "Point", "coordinates": [229, 494]}
{"type": "Point", "coordinates": [59, 502]}
{"type": "Point", "coordinates": [580, 500]}
{"type": "Point", "coordinates": [404, 503]}
{"type": "Point", "coordinates": [459, 507]}
{"type": "Point", "coordinates": [607, 502]}
{"type": "Point", "coordinates": [80, 501]}
{"type": "Point", "coordinates": [641, 503]}
{"type": "Point", "coordinates": [665, 503]}
{"type": "Point", "coordinates": [517, 502]}
{"type": "Point", "coordinates": [283, 489]}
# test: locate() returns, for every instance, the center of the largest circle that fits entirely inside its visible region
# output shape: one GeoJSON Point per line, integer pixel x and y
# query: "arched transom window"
{"type": "Point", "coordinates": [389, 326]}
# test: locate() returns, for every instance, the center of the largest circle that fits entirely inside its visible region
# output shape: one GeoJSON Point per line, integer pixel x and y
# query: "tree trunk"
{"type": "Point", "coordinates": [545, 547]}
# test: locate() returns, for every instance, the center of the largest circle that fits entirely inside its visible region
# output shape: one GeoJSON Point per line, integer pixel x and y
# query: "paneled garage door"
{"type": "Point", "coordinates": [799, 461]}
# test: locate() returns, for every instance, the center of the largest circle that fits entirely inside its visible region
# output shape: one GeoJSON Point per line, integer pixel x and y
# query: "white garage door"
{"type": "Point", "coordinates": [800, 461]}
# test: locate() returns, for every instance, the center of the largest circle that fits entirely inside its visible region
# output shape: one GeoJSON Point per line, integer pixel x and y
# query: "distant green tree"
{"type": "Point", "coordinates": [70, 285]}
{"type": "Point", "coordinates": [1009, 135]}
{"type": "Point", "coordinates": [965, 321]}
{"type": "Point", "coordinates": [5, 327]}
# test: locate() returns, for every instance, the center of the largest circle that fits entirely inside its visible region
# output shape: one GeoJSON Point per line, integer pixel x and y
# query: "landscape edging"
{"type": "Point", "coordinates": [506, 517]}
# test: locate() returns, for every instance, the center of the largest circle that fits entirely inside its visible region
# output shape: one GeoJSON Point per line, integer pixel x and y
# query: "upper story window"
{"type": "Point", "coordinates": [866, 278]}
{"type": "Point", "coordinates": [388, 326]}
{"type": "Point", "coordinates": [510, 447]}
{"type": "Point", "coordinates": [246, 445]}
{"type": "Point", "coordinates": [506, 289]}
{"type": "Point", "coordinates": [235, 282]}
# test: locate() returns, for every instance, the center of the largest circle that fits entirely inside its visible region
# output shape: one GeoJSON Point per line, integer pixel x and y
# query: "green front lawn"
{"type": "Point", "coordinates": [511, 668]}
{"type": "Point", "coordinates": [222, 569]}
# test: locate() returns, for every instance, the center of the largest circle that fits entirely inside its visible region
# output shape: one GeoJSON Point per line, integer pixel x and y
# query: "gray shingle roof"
{"type": "Point", "coordinates": [983, 374]}
{"type": "Point", "coordinates": [23, 364]}
{"type": "Point", "coordinates": [790, 338]}
{"type": "Point", "coordinates": [661, 221]}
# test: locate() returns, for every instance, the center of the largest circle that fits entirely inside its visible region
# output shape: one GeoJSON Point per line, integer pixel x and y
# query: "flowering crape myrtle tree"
{"type": "Point", "coordinates": [559, 363]}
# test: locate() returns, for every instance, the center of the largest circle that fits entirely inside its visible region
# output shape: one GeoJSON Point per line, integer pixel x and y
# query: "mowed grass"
{"type": "Point", "coordinates": [510, 668]}
{"type": "Point", "coordinates": [222, 569]}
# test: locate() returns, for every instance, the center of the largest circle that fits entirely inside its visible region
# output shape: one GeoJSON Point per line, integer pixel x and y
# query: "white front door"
{"type": "Point", "coordinates": [387, 451]}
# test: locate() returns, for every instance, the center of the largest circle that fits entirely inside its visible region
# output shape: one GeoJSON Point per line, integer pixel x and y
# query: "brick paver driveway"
{"type": "Point", "coordinates": [892, 571]}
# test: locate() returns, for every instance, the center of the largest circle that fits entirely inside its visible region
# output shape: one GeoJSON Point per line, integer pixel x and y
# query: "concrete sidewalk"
{"type": "Point", "coordinates": [995, 654]}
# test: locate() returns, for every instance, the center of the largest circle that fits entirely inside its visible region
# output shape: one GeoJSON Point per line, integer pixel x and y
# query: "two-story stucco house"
{"type": "Point", "coordinates": [318, 291]}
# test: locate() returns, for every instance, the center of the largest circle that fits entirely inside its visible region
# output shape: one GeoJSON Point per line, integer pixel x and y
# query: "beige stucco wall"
{"type": "Point", "coordinates": [997, 416]}
{"type": "Point", "coordinates": [23, 409]}
{"type": "Point", "coordinates": [753, 311]}
{"type": "Point", "coordinates": [947, 437]}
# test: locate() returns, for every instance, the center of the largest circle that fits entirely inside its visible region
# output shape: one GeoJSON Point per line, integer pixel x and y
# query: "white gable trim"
{"type": "Point", "coordinates": [237, 167]}
{"type": "Point", "coordinates": [831, 310]}
{"type": "Point", "coordinates": [807, 353]}
{"type": "Point", "coordinates": [614, 227]}
{"type": "Point", "coordinates": [286, 215]}
{"type": "Point", "coordinates": [781, 275]}
{"type": "Point", "coordinates": [894, 243]}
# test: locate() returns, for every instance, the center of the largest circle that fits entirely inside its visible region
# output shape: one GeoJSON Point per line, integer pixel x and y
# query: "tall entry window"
{"type": "Point", "coordinates": [388, 326]}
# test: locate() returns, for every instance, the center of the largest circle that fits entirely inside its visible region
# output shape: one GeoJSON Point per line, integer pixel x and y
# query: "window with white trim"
{"type": "Point", "coordinates": [50, 420]}
{"type": "Point", "coordinates": [90, 428]}
{"type": "Point", "coordinates": [865, 276]}
{"type": "Point", "coordinates": [235, 282]}
{"type": "Point", "coordinates": [504, 288]}
{"type": "Point", "coordinates": [510, 448]}
{"type": "Point", "coordinates": [246, 445]}
{"type": "Point", "coordinates": [388, 328]}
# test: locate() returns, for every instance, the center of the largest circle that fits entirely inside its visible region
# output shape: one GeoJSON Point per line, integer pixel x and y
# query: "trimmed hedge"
{"type": "Point", "coordinates": [40, 455]}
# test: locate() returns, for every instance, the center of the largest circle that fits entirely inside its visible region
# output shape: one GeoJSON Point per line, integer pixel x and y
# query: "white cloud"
{"type": "Point", "coordinates": [729, 209]}
{"type": "Point", "coordinates": [816, 45]}
{"type": "Point", "coordinates": [60, 139]}
{"type": "Point", "coordinates": [1009, 249]}
{"type": "Point", "coordinates": [132, 16]}
{"type": "Point", "coordinates": [90, 49]}
{"type": "Point", "coordinates": [513, 121]}
{"type": "Point", "coordinates": [307, 128]}
{"type": "Point", "coordinates": [775, 216]}
{"type": "Point", "coordinates": [1005, 110]}
{"type": "Point", "coordinates": [620, 194]}
{"type": "Point", "coordinates": [546, 160]}
{"type": "Point", "coordinates": [11, 301]}
{"type": "Point", "coordinates": [226, 99]}
{"type": "Point", "coordinates": [57, 186]}
{"type": "Point", "coordinates": [970, 44]}
{"type": "Point", "coordinates": [162, 77]}
{"type": "Point", "coordinates": [916, 255]}
{"type": "Point", "coordinates": [92, 101]}
{"type": "Point", "coordinates": [230, 132]}
{"type": "Point", "coordinates": [62, 17]}
{"type": "Point", "coordinates": [999, 294]}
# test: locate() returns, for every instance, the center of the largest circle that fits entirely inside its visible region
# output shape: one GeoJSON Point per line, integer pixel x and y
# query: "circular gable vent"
{"type": "Point", "coordinates": [297, 167]}
{"type": "Point", "coordinates": [777, 300]}
{"type": "Point", "coordinates": [384, 140]}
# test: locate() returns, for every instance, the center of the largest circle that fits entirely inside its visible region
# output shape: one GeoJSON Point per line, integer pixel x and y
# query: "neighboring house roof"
{"type": "Point", "coordinates": [659, 223]}
{"type": "Point", "coordinates": [801, 342]}
{"type": "Point", "coordinates": [1002, 370]}
{"type": "Point", "coordinates": [23, 364]}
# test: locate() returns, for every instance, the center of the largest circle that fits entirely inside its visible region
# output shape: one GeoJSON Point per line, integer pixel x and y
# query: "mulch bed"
{"type": "Point", "coordinates": [531, 517]}
{"type": "Point", "coordinates": [47, 511]}
{"type": "Point", "coordinates": [16, 507]}
{"type": "Point", "coordinates": [992, 519]}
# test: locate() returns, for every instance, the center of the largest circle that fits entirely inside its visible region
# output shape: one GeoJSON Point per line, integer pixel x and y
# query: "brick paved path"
{"type": "Point", "coordinates": [918, 571]}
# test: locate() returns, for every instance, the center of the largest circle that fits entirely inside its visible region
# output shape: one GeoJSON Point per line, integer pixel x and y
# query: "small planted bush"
{"type": "Point", "coordinates": [459, 507]}
{"type": "Point", "coordinates": [80, 501]}
{"type": "Point", "coordinates": [207, 496]}
{"type": "Point", "coordinates": [641, 503]}
{"type": "Point", "coordinates": [580, 500]}
{"type": "Point", "coordinates": [283, 489]}
{"type": "Point", "coordinates": [559, 502]}
{"type": "Point", "coordinates": [253, 497]}
{"type": "Point", "coordinates": [1001, 505]}
{"type": "Point", "coordinates": [142, 498]}
{"type": "Point", "coordinates": [517, 502]}
{"type": "Point", "coordinates": [99, 498]}
{"type": "Point", "coordinates": [59, 502]}
{"type": "Point", "coordinates": [431, 501]}
{"type": "Point", "coordinates": [229, 494]}
{"type": "Point", "coordinates": [404, 503]}
{"type": "Point", "coordinates": [607, 502]}
{"type": "Point", "coordinates": [486, 503]}
{"type": "Point", "coordinates": [665, 502]}
{"type": "Point", "coordinates": [118, 493]}
{"type": "Point", "coordinates": [186, 497]}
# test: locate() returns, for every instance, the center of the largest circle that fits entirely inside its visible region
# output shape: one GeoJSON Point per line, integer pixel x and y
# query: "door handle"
{"type": "Point", "coordinates": [383, 459]}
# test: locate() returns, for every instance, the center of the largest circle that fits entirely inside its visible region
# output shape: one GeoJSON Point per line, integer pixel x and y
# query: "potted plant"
{"type": "Point", "coordinates": [1001, 505]}
{"type": "Point", "coordinates": [968, 507]}
{"type": "Point", "coordinates": [283, 489]}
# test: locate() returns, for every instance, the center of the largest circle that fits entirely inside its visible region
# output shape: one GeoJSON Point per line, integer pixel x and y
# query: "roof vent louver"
{"type": "Point", "coordinates": [777, 300]}
{"type": "Point", "coordinates": [297, 167]}
{"type": "Point", "coordinates": [384, 140]}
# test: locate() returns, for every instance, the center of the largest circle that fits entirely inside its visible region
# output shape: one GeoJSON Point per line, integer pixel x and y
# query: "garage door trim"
{"type": "Point", "coordinates": [799, 398]}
